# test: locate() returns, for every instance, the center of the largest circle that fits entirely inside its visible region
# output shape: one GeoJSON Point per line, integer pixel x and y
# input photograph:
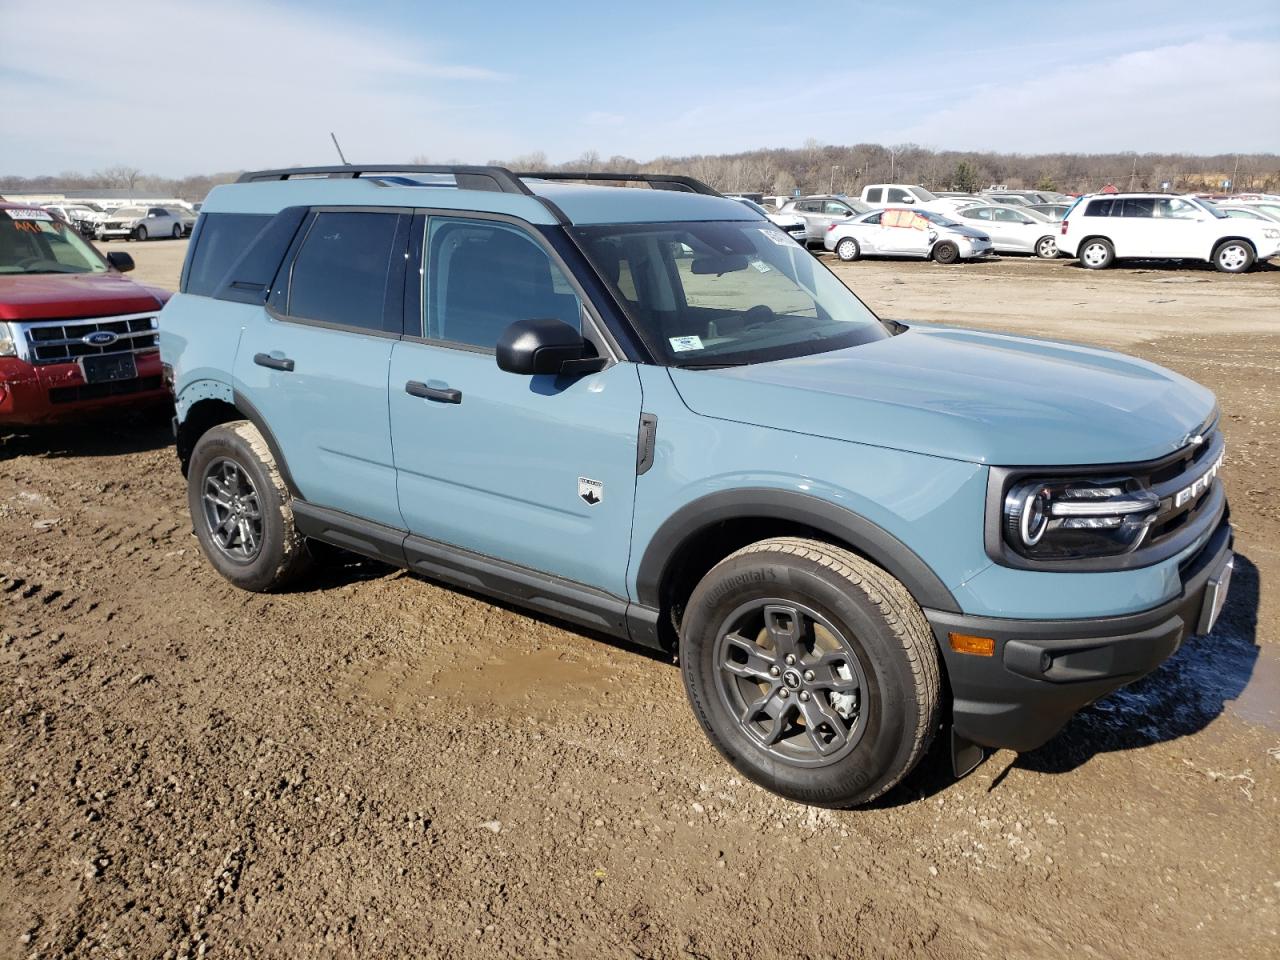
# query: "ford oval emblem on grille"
{"type": "Point", "coordinates": [99, 338]}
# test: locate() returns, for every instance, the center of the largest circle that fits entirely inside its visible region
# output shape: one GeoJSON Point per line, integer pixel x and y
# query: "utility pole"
{"type": "Point", "coordinates": [1235, 188]}
{"type": "Point", "coordinates": [834, 168]}
{"type": "Point", "coordinates": [1133, 176]}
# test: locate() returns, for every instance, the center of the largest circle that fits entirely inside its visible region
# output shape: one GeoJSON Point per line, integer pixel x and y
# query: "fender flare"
{"type": "Point", "coordinates": [251, 413]}
{"type": "Point", "coordinates": [764, 503]}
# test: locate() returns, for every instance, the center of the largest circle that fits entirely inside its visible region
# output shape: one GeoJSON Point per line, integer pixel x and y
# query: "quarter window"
{"type": "Point", "coordinates": [340, 273]}
{"type": "Point", "coordinates": [484, 276]}
{"type": "Point", "coordinates": [222, 238]}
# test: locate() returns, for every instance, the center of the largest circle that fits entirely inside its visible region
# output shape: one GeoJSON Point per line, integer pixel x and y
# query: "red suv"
{"type": "Point", "coordinates": [75, 333]}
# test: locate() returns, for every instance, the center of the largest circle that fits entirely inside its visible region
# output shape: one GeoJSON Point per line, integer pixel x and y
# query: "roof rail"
{"type": "Point", "coordinates": [658, 181]}
{"type": "Point", "coordinates": [491, 179]}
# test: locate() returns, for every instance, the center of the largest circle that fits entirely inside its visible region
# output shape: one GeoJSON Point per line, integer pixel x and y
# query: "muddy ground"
{"type": "Point", "coordinates": [376, 766]}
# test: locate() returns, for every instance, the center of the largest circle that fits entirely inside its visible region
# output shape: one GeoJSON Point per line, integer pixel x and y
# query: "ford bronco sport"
{"type": "Point", "coordinates": [76, 335]}
{"type": "Point", "coordinates": [650, 413]}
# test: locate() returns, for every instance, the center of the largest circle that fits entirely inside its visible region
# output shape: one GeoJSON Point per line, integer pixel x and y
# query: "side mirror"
{"type": "Point", "coordinates": [120, 260]}
{"type": "Point", "coordinates": [545, 346]}
{"type": "Point", "coordinates": [908, 199]}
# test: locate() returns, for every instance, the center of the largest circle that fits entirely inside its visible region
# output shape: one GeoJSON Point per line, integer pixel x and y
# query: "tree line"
{"type": "Point", "coordinates": [818, 168]}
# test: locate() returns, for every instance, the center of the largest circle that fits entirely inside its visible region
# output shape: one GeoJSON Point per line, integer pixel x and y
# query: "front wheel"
{"type": "Point", "coordinates": [1047, 248]}
{"type": "Point", "coordinates": [847, 249]}
{"type": "Point", "coordinates": [140, 232]}
{"type": "Point", "coordinates": [811, 670]}
{"type": "Point", "coordinates": [1097, 254]}
{"type": "Point", "coordinates": [946, 252]}
{"type": "Point", "coordinates": [241, 509]}
{"type": "Point", "coordinates": [177, 231]}
{"type": "Point", "coordinates": [1234, 256]}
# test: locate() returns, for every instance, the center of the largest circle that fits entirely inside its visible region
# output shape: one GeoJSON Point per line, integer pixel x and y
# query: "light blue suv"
{"type": "Point", "coordinates": [644, 410]}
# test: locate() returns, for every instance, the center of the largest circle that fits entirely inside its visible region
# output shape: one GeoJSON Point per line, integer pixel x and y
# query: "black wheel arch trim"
{"type": "Point", "coordinates": [764, 503]}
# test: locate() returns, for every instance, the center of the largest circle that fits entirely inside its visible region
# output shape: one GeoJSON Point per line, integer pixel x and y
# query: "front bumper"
{"type": "Point", "coordinates": [53, 392]}
{"type": "Point", "coordinates": [977, 248]}
{"type": "Point", "coordinates": [1043, 672]}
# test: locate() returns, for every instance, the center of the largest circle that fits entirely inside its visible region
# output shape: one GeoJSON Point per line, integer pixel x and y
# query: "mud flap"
{"type": "Point", "coordinates": [965, 755]}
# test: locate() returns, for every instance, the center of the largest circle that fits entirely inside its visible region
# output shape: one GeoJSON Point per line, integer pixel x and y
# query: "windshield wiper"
{"type": "Point", "coordinates": [713, 364]}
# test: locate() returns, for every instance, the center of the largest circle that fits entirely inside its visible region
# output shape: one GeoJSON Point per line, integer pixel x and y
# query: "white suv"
{"type": "Point", "coordinates": [1155, 226]}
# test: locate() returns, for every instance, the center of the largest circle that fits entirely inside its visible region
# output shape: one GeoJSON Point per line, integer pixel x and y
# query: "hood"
{"type": "Point", "coordinates": [964, 230]}
{"type": "Point", "coordinates": [55, 296]}
{"type": "Point", "coordinates": [965, 395]}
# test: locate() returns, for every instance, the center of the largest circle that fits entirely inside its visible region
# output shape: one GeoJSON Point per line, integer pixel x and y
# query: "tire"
{"type": "Point", "coordinates": [1097, 253]}
{"type": "Point", "coordinates": [177, 231]}
{"type": "Point", "coordinates": [863, 633]}
{"type": "Point", "coordinates": [139, 232]}
{"type": "Point", "coordinates": [1047, 248]}
{"type": "Point", "coordinates": [231, 471]}
{"type": "Point", "coordinates": [946, 252]}
{"type": "Point", "coordinates": [1234, 256]}
{"type": "Point", "coordinates": [847, 249]}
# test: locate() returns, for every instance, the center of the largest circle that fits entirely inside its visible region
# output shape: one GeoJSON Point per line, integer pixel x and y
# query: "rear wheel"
{"type": "Point", "coordinates": [946, 252]}
{"type": "Point", "coordinates": [241, 509]}
{"type": "Point", "coordinates": [140, 232]}
{"type": "Point", "coordinates": [1233, 256]}
{"type": "Point", "coordinates": [1047, 248]}
{"type": "Point", "coordinates": [847, 249]}
{"type": "Point", "coordinates": [811, 670]}
{"type": "Point", "coordinates": [1097, 253]}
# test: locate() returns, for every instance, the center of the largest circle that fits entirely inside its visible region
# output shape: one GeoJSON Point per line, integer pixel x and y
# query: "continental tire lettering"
{"type": "Point", "coordinates": [739, 580]}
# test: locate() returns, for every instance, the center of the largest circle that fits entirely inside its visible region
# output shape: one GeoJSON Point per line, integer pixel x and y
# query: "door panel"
{"type": "Point", "coordinates": [498, 471]}
{"type": "Point", "coordinates": [328, 414]}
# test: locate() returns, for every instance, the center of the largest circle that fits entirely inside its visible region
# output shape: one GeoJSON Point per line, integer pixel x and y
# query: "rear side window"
{"type": "Point", "coordinates": [1138, 207]}
{"type": "Point", "coordinates": [341, 270]}
{"type": "Point", "coordinates": [874, 194]}
{"type": "Point", "coordinates": [1098, 208]}
{"type": "Point", "coordinates": [484, 276]}
{"type": "Point", "coordinates": [219, 243]}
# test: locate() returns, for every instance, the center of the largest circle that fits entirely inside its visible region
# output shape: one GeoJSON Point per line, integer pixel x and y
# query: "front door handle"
{"type": "Point", "coordinates": [416, 388]}
{"type": "Point", "coordinates": [274, 363]}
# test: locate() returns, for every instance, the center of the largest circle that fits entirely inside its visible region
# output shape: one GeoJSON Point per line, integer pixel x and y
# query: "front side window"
{"type": "Point", "coordinates": [340, 273]}
{"type": "Point", "coordinates": [483, 276]}
{"type": "Point", "coordinates": [725, 293]}
{"type": "Point", "coordinates": [34, 241]}
{"type": "Point", "coordinates": [835, 209]}
{"type": "Point", "coordinates": [897, 196]}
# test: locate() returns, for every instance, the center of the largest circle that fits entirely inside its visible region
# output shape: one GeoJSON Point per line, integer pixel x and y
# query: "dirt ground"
{"type": "Point", "coordinates": [377, 766]}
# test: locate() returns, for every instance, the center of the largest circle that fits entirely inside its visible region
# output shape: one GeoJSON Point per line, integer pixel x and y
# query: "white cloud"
{"type": "Point", "coordinates": [1207, 96]}
{"type": "Point", "coordinates": [182, 86]}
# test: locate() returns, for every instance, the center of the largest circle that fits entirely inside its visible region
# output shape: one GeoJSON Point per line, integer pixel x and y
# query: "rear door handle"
{"type": "Point", "coordinates": [274, 363]}
{"type": "Point", "coordinates": [416, 388]}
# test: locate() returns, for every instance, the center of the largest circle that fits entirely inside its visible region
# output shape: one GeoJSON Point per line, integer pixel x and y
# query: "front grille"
{"type": "Point", "coordinates": [97, 391]}
{"type": "Point", "coordinates": [61, 342]}
{"type": "Point", "coordinates": [1177, 473]}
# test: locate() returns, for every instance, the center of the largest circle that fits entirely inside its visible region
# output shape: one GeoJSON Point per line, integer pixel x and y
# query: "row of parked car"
{"type": "Point", "coordinates": [125, 222]}
{"type": "Point", "coordinates": [902, 220]}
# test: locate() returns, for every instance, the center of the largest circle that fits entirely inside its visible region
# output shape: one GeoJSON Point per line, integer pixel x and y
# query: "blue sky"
{"type": "Point", "coordinates": [175, 86]}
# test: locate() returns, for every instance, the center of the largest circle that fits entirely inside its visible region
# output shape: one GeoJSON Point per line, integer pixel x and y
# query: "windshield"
{"type": "Point", "coordinates": [724, 293]}
{"type": "Point", "coordinates": [1207, 205]}
{"type": "Point", "coordinates": [33, 241]}
{"type": "Point", "coordinates": [936, 218]}
{"type": "Point", "coordinates": [128, 213]}
{"type": "Point", "coordinates": [922, 194]}
{"type": "Point", "coordinates": [753, 205]}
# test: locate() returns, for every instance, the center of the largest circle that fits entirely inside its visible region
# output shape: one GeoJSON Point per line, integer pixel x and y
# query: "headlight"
{"type": "Point", "coordinates": [7, 347]}
{"type": "Point", "coordinates": [1074, 519]}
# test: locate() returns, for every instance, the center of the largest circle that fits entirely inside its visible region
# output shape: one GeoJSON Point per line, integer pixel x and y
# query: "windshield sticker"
{"type": "Point", "coordinates": [761, 266]}
{"type": "Point", "coordinates": [680, 344]}
{"type": "Point", "coordinates": [777, 236]}
{"type": "Point", "coordinates": [26, 213]}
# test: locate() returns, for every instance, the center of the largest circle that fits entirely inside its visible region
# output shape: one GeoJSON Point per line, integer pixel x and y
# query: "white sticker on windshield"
{"type": "Point", "coordinates": [27, 213]}
{"type": "Point", "coordinates": [761, 266]}
{"type": "Point", "coordinates": [679, 344]}
{"type": "Point", "coordinates": [778, 237]}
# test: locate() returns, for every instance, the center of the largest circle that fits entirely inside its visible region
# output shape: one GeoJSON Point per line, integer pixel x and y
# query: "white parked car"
{"type": "Point", "coordinates": [1013, 230]}
{"type": "Point", "coordinates": [793, 226]}
{"type": "Point", "coordinates": [899, 194]}
{"type": "Point", "coordinates": [1100, 230]}
{"type": "Point", "coordinates": [899, 232]}
{"type": "Point", "coordinates": [141, 223]}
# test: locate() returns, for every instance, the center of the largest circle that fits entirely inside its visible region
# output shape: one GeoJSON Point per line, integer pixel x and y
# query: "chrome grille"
{"type": "Point", "coordinates": [64, 340]}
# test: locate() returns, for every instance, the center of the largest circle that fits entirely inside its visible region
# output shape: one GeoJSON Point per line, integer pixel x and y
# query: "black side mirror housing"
{"type": "Point", "coordinates": [120, 260]}
{"type": "Point", "coordinates": [545, 346]}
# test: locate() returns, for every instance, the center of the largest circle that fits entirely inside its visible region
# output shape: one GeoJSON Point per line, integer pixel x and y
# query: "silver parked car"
{"type": "Point", "coordinates": [1054, 211]}
{"type": "Point", "coordinates": [1246, 211]}
{"type": "Point", "coordinates": [793, 226]}
{"type": "Point", "coordinates": [899, 232]}
{"type": "Point", "coordinates": [1014, 230]}
{"type": "Point", "coordinates": [821, 211]}
{"type": "Point", "coordinates": [141, 223]}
